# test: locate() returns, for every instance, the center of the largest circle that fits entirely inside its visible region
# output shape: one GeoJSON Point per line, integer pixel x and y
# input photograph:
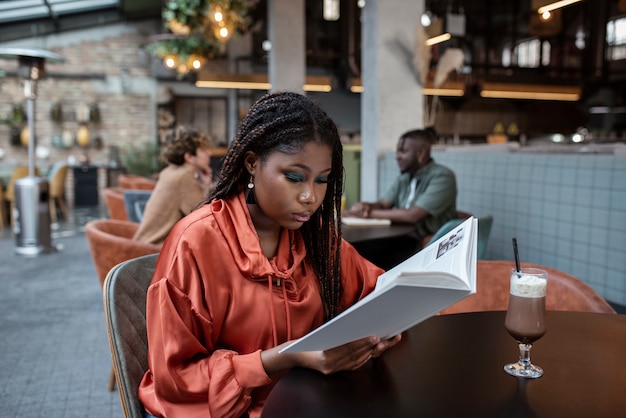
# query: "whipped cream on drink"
{"type": "Point", "coordinates": [527, 286]}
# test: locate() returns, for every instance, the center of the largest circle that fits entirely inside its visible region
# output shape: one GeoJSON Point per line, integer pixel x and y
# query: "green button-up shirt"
{"type": "Point", "coordinates": [435, 192]}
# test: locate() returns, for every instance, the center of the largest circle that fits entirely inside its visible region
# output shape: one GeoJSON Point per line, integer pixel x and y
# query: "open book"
{"type": "Point", "coordinates": [433, 279]}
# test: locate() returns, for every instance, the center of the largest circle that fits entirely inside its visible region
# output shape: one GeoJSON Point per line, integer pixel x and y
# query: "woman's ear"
{"type": "Point", "coordinates": [188, 157]}
{"type": "Point", "coordinates": [250, 161]}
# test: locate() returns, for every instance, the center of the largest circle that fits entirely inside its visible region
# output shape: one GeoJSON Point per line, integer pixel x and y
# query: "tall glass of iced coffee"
{"type": "Point", "coordinates": [525, 317]}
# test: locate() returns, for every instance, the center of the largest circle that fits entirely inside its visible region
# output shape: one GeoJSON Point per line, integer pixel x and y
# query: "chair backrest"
{"type": "Point", "coordinates": [18, 173]}
{"type": "Point", "coordinates": [114, 199]}
{"type": "Point", "coordinates": [54, 168]}
{"type": "Point", "coordinates": [135, 202]}
{"type": "Point", "coordinates": [131, 181]}
{"type": "Point", "coordinates": [565, 292]}
{"type": "Point", "coordinates": [111, 242]}
{"type": "Point", "coordinates": [484, 230]}
{"type": "Point", "coordinates": [58, 175]}
{"type": "Point", "coordinates": [124, 295]}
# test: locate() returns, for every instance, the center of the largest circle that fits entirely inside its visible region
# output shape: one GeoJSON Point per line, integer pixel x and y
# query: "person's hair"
{"type": "Point", "coordinates": [285, 122]}
{"type": "Point", "coordinates": [428, 133]}
{"type": "Point", "coordinates": [180, 141]}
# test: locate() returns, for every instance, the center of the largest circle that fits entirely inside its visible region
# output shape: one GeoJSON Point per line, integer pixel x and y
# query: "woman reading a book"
{"type": "Point", "coordinates": [260, 265]}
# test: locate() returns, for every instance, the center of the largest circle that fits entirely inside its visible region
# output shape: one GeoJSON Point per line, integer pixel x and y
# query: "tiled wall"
{"type": "Point", "coordinates": [567, 211]}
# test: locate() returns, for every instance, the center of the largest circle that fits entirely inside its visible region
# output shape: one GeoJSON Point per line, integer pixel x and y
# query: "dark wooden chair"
{"type": "Point", "coordinates": [124, 296]}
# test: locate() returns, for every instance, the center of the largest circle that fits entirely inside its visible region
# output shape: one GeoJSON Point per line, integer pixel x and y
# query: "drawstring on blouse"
{"type": "Point", "coordinates": [285, 304]}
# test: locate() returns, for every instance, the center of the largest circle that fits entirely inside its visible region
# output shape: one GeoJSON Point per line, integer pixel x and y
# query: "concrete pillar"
{"type": "Point", "coordinates": [287, 69]}
{"type": "Point", "coordinates": [392, 101]}
{"type": "Point", "coordinates": [239, 53]}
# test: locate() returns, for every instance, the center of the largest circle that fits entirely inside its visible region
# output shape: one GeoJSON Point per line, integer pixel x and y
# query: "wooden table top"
{"type": "Point", "coordinates": [452, 366]}
{"type": "Point", "coordinates": [355, 234]}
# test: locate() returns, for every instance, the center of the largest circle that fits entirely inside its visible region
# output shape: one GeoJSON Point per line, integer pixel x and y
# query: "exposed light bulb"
{"type": "Point", "coordinates": [426, 19]}
{"type": "Point", "coordinates": [195, 62]}
{"type": "Point", "coordinates": [224, 32]}
{"type": "Point", "coordinates": [170, 61]}
{"type": "Point", "coordinates": [546, 15]}
{"type": "Point", "coordinates": [218, 16]}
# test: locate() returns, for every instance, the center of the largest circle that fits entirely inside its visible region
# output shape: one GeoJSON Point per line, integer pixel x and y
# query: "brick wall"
{"type": "Point", "coordinates": [110, 70]}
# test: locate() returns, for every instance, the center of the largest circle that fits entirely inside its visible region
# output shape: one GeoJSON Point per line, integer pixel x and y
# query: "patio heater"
{"type": "Point", "coordinates": [31, 214]}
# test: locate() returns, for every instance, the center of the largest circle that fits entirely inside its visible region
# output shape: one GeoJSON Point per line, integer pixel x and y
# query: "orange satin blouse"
{"type": "Point", "coordinates": [216, 301]}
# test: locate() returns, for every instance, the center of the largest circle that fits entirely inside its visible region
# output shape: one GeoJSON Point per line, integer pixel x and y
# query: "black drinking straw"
{"type": "Point", "coordinates": [516, 253]}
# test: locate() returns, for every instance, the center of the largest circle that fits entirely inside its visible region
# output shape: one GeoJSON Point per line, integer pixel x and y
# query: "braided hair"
{"type": "Point", "coordinates": [286, 122]}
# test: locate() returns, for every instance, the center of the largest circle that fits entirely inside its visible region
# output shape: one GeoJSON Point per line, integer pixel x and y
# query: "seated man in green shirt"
{"type": "Point", "coordinates": [424, 194]}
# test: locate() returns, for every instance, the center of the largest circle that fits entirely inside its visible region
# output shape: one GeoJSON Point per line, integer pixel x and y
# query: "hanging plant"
{"type": "Point", "coordinates": [18, 114]}
{"type": "Point", "coordinates": [199, 32]}
{"type": "Point", "coordinates": [56, 112]}
{"type": "Point", "coordinates": [185, 54]}
{"type": "Point", "coordinates": [15, 140]}
{"type": "Point", "coordinates": [185, 17]}
{"type": "Point", "coordinates": [184, 48]}
{"type": "Point", "coordinates": [15, 121]}
{"type": "Point", "coordinates": [94, 113]}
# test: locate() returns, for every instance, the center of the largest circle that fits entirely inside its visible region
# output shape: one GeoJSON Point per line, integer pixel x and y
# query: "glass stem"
{"type": "Point", "coordinates": [524, 355]}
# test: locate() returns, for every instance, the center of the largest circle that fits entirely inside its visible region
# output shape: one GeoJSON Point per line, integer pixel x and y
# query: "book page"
{"type": "Point", "coordinates": [444, 255]}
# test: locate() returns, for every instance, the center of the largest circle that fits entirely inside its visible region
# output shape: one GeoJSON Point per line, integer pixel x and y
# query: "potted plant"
{"type": "Point", "coordinates": [142, 159]}
{"type": "Point", "coordinates": [15, 121]}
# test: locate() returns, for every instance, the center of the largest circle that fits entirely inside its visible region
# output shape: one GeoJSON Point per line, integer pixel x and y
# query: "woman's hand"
{"type": "Point", "coordinates": [358, 210]}
{"type": "Point", "coordinates": [349, 356]}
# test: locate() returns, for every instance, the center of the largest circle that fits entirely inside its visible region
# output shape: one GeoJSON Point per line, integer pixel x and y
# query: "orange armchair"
{"type": "Point", "coordinates": [131, 181]}
{"type": "Point", "coordinates": [114, 199]}
{"type": "Point", "coordinates": [111, 242]}
{"type": "Point", "coordinates": [565, 292]}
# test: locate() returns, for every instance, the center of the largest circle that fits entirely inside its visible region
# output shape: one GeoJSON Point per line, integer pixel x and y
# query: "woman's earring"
{"type": "Point", "coordinates": [250, 198]}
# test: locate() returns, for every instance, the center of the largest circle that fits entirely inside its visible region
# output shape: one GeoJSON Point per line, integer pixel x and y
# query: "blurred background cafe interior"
{"type": "Point", "coordinates": [529, 108]}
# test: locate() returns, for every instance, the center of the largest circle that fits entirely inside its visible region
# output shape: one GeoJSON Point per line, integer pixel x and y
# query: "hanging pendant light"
{"type": "Point", "coordinates": [199, 32]}
{"type": "Point", "coordinates": [83, 136]}
{"type": "Point", "coordinates": [24, 136]}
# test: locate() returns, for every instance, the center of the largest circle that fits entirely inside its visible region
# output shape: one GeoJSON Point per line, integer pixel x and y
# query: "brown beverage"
{"type": "Point", "coordinates": [525, 318]}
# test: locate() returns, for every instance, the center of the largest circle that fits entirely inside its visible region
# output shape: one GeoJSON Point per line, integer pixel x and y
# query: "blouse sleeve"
{"type": "Point", "coordinates": [189, 378]}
